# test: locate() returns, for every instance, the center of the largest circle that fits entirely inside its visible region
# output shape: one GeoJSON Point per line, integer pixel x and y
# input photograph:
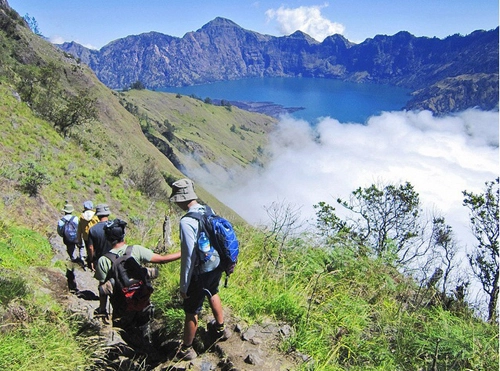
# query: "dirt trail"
{"type": "Point", "coordinates": [249, 348]}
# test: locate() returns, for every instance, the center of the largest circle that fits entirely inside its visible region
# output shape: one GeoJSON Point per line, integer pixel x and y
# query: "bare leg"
{"type": "Point", "coordinates": [216, 305]}
{"type": "Point", "coordinates": [190, 327]}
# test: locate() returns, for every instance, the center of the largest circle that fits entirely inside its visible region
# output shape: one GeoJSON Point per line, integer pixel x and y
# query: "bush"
{"type": "Point", "coordinates": [32, 177]}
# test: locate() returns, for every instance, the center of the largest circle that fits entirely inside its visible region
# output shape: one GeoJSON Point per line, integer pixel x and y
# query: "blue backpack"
{"type": "Point", "coordinates": [69, 230]}
{"type": "Point", "coordinates": [222, 237]}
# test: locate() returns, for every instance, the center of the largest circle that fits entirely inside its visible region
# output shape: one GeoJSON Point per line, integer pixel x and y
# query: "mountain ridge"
{"type": "Point", "coordinates": [222, 50]}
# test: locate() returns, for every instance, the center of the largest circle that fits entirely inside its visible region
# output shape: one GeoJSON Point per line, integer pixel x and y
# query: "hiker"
{"type": "Point", "coordinates": [198, 279]}
{"type": "Point", "coordinates": [98, 243]}
{"type": "Point", "coordinates": [115, 233]}
{"type": "Point", "coordinates": [67, 228]}
{"type": "Point", "coordinates": [86, 221]}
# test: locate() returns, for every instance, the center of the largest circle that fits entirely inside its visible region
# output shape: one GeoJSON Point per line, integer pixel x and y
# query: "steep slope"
{"type": "Point", "coordinates": [200, 138]}
{"type": "Point", "coordinates": [117, 142]}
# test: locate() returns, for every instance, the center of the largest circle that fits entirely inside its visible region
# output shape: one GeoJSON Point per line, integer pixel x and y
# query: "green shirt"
{"type": "Point", "coordinates": [139, 253]}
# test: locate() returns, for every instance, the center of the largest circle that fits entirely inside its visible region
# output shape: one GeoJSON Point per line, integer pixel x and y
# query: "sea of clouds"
{"type": "Point", "coordinates": [439, 156]}
{"type": "Point", "coordinates": [312, 162]}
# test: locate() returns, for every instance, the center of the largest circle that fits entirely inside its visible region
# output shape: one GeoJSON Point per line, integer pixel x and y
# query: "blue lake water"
{"type": "Point", "coordinates": [344, 101]}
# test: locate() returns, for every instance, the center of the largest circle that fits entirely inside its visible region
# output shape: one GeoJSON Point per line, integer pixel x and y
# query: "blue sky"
{"type": "Point", "coordinates": [94, 23]}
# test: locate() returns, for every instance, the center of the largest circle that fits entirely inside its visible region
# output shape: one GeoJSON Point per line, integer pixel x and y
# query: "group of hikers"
{"type": "Point", "coordinates": [97, 243]}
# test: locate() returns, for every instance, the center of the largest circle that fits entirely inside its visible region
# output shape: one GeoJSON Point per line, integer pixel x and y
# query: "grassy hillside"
{"type": "Point", "coordinates": [346, 310]}
{"type": "Point", "coordinates": [117, 141]}
{"type": "Point", "coordinates": [201, 134]}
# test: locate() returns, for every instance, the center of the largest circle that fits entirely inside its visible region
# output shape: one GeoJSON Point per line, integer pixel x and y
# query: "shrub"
{"type": "Point", "coordinates": [32, 177]}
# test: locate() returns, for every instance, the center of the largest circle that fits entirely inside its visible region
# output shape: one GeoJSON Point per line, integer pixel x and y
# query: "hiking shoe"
{"type": "Point", "coordinates": [220, 332]}
{"type": "Point", "coordinates": [102, 315]}
{"type": "Point", "coordinates": [80, 262]}
{"type": "Point", "coordinates": [186, 353]}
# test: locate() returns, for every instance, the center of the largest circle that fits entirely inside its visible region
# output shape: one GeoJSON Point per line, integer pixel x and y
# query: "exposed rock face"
{"type": "Point", "coordinates": [457, 94]}
{"type": "Point", "coordinates": [222, 50]}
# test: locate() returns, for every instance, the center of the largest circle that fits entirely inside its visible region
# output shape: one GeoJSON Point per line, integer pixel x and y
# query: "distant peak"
{"type": "Point", "coordinates": [301, 35]}
{"type": "Point", "coordinates": [219, 21]}
{"type": "Point", "coordinates": [338, 39]}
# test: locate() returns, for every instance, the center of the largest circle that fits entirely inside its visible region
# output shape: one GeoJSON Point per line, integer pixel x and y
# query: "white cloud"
{"type": "Point", "coordinates": [306, 19]}
{"type": "Point", "coordinates": [57, 39]}
{"type": "Point", "coordinates": [60, 40]}
{"type": "Point", "coordinates": [440, 157]}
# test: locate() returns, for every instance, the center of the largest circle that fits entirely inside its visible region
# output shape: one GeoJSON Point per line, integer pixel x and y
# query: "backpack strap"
{"type": "Point", "coordinates": [68, 220]}
{"type": "Point", "coordinates": [114, 257]}
{"type": "Point", "coordinates": [199, 216]}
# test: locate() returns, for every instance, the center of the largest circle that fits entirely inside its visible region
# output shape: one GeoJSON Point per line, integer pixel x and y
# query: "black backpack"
{"type": "Point", "coordinates": [222, 237]}
{"type": "Point", "coordinates": [132, 287]}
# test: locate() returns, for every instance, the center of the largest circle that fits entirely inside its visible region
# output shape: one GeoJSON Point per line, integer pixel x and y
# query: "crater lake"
{"type": "Point", "coordinates": [306, 98]}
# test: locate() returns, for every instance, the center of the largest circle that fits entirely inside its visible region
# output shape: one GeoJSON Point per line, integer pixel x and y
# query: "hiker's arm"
{"type": "Point", "coordinates": [90, 256]}
{"type": "Point", "coordinates": [160, 259]}
{"type": "Point", "coordinates": [79, 234]}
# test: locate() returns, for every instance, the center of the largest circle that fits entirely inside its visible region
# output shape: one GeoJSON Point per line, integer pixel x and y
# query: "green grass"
{"type": "Point", "coordinates": [348, 312]}
{"type": "Point", "coordinates": [43, 336]}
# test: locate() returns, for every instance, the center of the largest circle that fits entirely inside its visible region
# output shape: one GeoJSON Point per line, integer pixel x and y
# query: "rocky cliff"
{"type": "Point", "coordinates": [222, 50]}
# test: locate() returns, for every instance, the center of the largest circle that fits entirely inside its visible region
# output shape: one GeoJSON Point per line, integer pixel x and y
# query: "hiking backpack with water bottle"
{"type": "Point", "coordinates": [222, 237]}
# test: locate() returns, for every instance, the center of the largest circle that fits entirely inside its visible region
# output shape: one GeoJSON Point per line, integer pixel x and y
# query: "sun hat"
{"type": "Point", "coordinates": [68, 208]}
{"type": "Point", "coordinates": [88, 205]}
{"type": "Point", "coordinates": [183, 190]}
{"type": "Point", "coordinates": [102, 210]}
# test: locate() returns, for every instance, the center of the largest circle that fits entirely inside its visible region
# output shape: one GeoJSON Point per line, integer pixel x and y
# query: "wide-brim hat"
{"type": "Point", "coordinates": [102, 210]}
{"type": "Point", "coordinates": [183, 190]}
{"type": "Point", "coordinates": [68, 208]}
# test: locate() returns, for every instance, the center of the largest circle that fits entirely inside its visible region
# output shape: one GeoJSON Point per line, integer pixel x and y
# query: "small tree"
{"type": "Point", "coordinates": [149, 181]}
{"type": "Point", "coordinates": [32, 178]}
{"type": "Point", "coordinates": [32, 24]}
{"type": "Point", "coordinates": [138, 85]}
{"type": "Point", "coordinates": [78, 110]}
{"type": "Point", "coordinates": [483, 212]}
{"type": "Point", "coordinates": [284, 222]}
{"type": "Point", "coordinates": [389, 220]}
{"type": "Point", "coordinates": [446, 248]}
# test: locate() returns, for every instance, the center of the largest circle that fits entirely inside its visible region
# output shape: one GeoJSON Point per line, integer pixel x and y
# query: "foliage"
{"type": "Point", "coordinates": [354, 312]}
{"type": "Point", "coordinates": [32, 177]}
{"type": "Point", "coordinates": [33, 24]}
{"type": "Point", "coordinates": [388, 221]}
{"type": "Point", "coordinates": [138, 85]}
{"type": "Point", "coordinates": [41, 88]}
{"type": "Point", "coordinates": [484, 218]}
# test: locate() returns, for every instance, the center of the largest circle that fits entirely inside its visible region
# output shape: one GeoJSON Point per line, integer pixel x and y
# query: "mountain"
{"type": "Point", "coordinates": [294, 302]}
{"type": "Point", "coordinates": [222, 50]}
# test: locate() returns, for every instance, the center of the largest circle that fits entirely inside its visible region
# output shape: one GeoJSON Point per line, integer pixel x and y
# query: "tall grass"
{"type": "Point", "coordinates": [348, 312]}
{"type": "Point", "coordinates": [36, 333]}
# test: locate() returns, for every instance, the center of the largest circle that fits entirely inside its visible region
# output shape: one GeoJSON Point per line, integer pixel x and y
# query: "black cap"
{"type": "Point", "coordinates": [115, 230]}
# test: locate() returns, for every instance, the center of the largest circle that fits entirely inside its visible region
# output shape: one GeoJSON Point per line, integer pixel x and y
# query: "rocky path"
{"type": "Point", "coordinates": [252, 347]}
